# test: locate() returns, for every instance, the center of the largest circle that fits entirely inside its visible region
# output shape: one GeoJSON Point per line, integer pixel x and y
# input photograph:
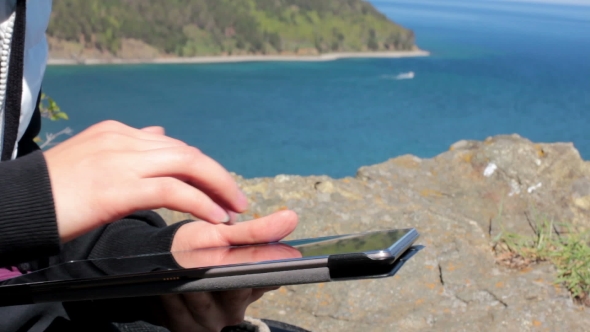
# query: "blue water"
{"type": "Point", "coordinates": [496, 68]}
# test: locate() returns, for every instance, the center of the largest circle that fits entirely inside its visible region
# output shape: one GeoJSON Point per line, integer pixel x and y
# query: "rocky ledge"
{"type": "Point", "coordinates": [459, 201]}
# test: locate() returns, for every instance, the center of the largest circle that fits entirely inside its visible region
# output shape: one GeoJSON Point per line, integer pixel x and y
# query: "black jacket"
{"type": "Point", "coordinates": [28, 228]}
{"type": "Point", "coordinates": [29, 240]}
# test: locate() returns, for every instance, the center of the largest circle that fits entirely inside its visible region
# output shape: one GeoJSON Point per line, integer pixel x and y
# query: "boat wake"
{"type": "Point", "coordinates": [402, 76]}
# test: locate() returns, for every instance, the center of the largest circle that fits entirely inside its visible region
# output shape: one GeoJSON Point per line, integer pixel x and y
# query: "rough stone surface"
{"type": "Point", "coordinates": [458, 201]}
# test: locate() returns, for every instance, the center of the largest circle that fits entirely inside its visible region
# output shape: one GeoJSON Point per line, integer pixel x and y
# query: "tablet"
{"type": "Point", "coordinates": [334, 258]}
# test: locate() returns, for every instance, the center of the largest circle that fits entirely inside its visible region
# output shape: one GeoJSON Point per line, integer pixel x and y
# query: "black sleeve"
{"type": "Point", "coordinates": [144, 232]}
{"type": "Point", "coordinates": [28, 226]}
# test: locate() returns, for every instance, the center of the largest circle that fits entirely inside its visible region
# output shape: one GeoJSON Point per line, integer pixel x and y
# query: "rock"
{"type": "Point", "coordinates": [458, 202]}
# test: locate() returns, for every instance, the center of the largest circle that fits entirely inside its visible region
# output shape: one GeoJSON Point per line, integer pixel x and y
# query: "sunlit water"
{"type": "Point", "coordinates": [496, 67]}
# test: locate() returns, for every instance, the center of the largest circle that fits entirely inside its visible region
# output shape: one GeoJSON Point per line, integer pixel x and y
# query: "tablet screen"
{"type": "Point", "coordinates": [343, 244]}
{"type": "Point", "coordinates": [214, 257]}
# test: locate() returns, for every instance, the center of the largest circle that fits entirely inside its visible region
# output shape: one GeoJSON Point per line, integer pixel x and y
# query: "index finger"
{"type": "Point", "coordinates": [149, 133]}
{"type": "Point", "coordinates": [194, 167]}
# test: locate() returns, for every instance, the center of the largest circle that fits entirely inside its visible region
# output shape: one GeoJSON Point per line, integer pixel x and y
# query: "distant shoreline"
{"type": "Point", "coordinates": [240, 58]}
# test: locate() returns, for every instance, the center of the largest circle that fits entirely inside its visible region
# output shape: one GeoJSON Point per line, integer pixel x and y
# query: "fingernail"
{"type": "Point", "coordinates": [220, 215]}
{"type": "Point", "coordinates": [234, 217]}
{"type": "Point", "coordinates": [242, 200]}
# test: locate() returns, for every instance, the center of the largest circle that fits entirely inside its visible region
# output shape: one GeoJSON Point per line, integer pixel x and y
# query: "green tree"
{"type": "Point", "coordinates": [373, 44]}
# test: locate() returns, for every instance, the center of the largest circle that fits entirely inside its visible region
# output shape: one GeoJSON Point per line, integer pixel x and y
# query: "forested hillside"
{"type": "Point", "coordinates": [230, 27]}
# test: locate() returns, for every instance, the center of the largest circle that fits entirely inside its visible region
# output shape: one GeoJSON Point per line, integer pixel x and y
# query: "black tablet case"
{"type": "Point", "coordinates": [335, 271]}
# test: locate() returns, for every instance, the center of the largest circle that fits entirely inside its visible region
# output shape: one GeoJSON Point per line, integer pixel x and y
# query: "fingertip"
{"type": "Point", "coordinates": [289, 216]}
{"type": "Point", "coordinates": [234, 218]}
{"type": "Point", "coordinates": [242, 202]}
{"type": "Point", "coordinates": [282, 223]}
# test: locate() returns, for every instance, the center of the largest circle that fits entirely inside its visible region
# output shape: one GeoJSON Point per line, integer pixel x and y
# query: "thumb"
{"type": "Point", "coordinates": [267, 229]}
{"type": "Point", "coordinates": [197, 235]}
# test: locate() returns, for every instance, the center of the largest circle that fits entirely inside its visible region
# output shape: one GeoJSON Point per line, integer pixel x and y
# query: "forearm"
{"type": "Point", "coordinates": [28, 226]}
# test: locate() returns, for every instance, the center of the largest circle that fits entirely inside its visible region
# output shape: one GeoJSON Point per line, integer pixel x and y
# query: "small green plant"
{"type": "Point", "coordinates": [573, 263]}
{"type": "Point", "coordinates": [50, 109]}
{"type": "Point", "coordinates": [568, 250]}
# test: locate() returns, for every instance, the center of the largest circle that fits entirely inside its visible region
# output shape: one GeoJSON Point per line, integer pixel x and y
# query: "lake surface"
{"type": "Point", "coordinates": [496, 68]}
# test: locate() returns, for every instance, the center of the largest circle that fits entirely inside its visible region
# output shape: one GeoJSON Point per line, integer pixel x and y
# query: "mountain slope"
{"type": "Point", "coordinates": [228, 27]}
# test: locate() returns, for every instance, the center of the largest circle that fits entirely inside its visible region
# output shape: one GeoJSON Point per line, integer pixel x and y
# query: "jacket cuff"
{"type": "Point", "coordinates": [28, 225]}
{"type": "Point", "coordinates": [142, 233]}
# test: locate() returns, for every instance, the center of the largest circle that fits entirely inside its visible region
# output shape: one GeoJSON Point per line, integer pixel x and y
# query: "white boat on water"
{"type": "Point", "coordinates": [405, 76]}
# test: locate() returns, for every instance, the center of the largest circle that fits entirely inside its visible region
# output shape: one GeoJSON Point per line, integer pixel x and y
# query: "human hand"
{"type": "Point", "coordinates": [111, 170]}
{"type": "Point", "coordinates": [197, 312]}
